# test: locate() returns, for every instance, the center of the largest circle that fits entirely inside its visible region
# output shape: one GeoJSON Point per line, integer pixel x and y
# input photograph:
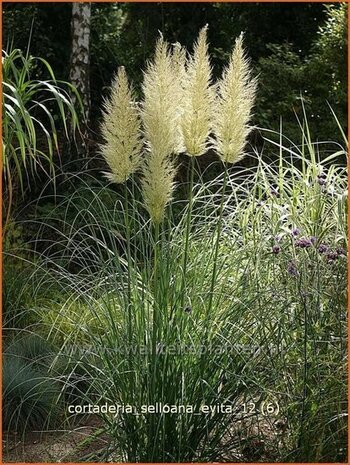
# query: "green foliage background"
{"type": "Point", "coordinates": [298, 50]}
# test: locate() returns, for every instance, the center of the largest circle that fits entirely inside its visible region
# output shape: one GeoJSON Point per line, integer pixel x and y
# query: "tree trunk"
{"type": "Point", "coordinates": [80, 58]}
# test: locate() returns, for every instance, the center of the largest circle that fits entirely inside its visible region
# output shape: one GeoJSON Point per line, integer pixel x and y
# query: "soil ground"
{"type": "Point", "coordinates": [58, 446]}
{"type": "Point", "coordinates": [82, 442]}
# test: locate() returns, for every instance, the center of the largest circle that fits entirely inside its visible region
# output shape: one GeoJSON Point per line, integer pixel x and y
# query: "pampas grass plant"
{"type": "Point", "coordinates": [226, 303]}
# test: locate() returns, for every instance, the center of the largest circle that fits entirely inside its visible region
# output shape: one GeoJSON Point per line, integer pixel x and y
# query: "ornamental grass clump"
{"type": "Point", "coordinates": [177, 115]}
{"type": "Point", "coordinates": [29, 128]}
{"type": "Point", "coordinates": [275, 335]}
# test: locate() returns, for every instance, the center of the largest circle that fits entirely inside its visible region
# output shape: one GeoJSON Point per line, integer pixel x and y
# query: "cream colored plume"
{"type": "Point", "coordinates": [234, 102]}
{"type": "Point", "coordinates": [198, 99]}
{"type": "Point", "coordinates": [162, 97]}
{"type": "Point", "coordinates": [179, 70]}
{"type": "Point", "coordinates": [121, 130]}
{"type": "Point", "coordinates": [157, 187]}
{"type": "Point", "coordinates": [160, 115]}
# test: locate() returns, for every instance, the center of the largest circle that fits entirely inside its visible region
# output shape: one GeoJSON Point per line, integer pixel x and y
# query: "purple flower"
{"type": "Point", "coordinates": [276, 249]}
{"type": "Point", "coordinates": [340, 251]}
{"type": "Point", "coordinates": [303, 243]}
{"type": "Point", "coordinates": [323, 248]}
{"type": "Point", "coordinates": [295, 232]}
{"type": "Point", "coordinates": [332, 256]}
{"type": "Point", "coordinates": [278, 238]}
{"type": "Point", "coordinates": [292, 269]}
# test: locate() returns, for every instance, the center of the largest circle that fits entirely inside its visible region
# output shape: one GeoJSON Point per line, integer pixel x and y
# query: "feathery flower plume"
{"type": "Point", "coordinates": [179, 60]}
{"type": "Point", "coordinates": [161, 103]}
{"type": "Point", "coordinates": [234, 102]}
{"type": "Point", "coordinates": [157, 187]}
{"type": "Point", "coordinates": [160, 116]}
{"type": "Point", "coordinates": [198, 99]}
{"type": "Point", "coordinates": [121, 129]}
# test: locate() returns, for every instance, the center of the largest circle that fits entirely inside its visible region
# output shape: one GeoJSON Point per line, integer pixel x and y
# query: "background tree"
{"type": "Point", "coordinates": [290, 78]}
{"type": "Point", "coordinates": [80, 53]}
{"type": "Point", "coordinates": [79, 74]}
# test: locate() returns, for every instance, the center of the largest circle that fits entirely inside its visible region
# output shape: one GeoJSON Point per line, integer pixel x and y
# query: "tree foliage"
{"type": "Point", "coordinates": [299, 50]}
{"type": "Point", "coordinates": [289, 80]}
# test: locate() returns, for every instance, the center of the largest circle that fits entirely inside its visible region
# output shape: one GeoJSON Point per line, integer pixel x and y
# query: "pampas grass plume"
{"type": "Point", "coordinates": [121, 130]}
{"type": "Point", "coordinates": [234, 102]}
{"type": "Point", "coordinates": [157, 187]}
{"type": "Point", "coordinates": [198, 99]}
{"type": "Point", "coordinates": [160, 114]}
